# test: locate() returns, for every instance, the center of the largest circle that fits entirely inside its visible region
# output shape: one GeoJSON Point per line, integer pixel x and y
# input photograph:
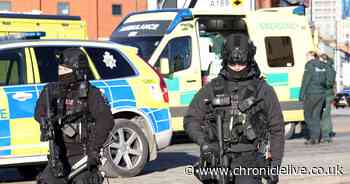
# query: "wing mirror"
{"type": "Point", "coordinates": [164, 66]}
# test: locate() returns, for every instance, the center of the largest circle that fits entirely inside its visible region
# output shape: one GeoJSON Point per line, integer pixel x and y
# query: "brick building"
{"type": "Point", "coordinates": [102, 16]}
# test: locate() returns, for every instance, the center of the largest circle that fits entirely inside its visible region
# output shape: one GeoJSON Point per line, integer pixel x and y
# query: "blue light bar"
{"type": "Point", "coordinates": [299, 10]}
{"type": "Point", "coordinates": [182, 15]}
{"type": "Point", "coordinates": [33, 35]}
{"type": "Point", "coordinates": [23, 36]}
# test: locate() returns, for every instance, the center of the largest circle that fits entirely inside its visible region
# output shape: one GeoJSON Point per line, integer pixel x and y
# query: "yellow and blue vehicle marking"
{"type": "Point", "coordinates": [287, 89]}
{"type": "Point", "coordinates": [185, 97]}
{"type": "Point", "coordinates": [20, 133]}
{"type": "Point", "coordinates": [282, 79]}
{"type": "Point", "coordinates": [120, 95]}
{"type": "Point", "coordinates": [17, 125]}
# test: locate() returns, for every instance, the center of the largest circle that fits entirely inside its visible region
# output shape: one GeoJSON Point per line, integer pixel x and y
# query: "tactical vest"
{"type": "Point", "coordinates": [244, 119]}
{"type": "Point", "coordinates": [77, 125]}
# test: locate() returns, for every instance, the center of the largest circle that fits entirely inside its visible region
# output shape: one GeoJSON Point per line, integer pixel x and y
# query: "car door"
{"type": "Point", "coordinates": [19, 132]}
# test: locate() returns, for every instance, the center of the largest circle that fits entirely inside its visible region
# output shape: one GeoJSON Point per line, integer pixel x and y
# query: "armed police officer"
{"type": "Point", "coordinates": [251, 127]}
{"type": "Point", "coordinates": [75, 119]}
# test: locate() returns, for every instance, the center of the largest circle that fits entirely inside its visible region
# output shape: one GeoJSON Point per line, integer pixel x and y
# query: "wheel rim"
{"type": "Point", "coordinates": [126, 149]}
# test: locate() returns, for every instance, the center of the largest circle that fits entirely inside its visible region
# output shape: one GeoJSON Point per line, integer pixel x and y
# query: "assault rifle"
{"type": "Point", "coordinates": [221, 161]}
{"type": "Point", "coordinates": [49, 131]}
{"type": "Point", "coordinates": [218, 102]}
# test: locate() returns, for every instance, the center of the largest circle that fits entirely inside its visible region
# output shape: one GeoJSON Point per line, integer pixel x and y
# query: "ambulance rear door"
{"type": "Point", "coordinates": [282, 40]}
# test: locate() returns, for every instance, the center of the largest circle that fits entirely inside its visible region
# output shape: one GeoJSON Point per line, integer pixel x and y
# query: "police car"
{"type": "Point", "coordinates": [137, 95]}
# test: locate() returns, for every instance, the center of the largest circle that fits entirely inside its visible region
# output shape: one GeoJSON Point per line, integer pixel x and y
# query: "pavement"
{"type": "Point", "coordinates": [170, 166]}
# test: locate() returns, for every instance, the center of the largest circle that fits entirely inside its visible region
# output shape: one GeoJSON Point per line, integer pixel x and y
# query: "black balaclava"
{"type": "Point", "coordinates": [238, 49]}
{"type": "Point", "coordinates": [75, 59]}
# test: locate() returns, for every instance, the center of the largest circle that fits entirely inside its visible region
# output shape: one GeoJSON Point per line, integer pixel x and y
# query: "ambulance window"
{"type": "Point", "coordinates": [12, 67]}
{"type": "Point", "coordinates": [48, 59]}
{"type": "Point", "coordinates": [279, 51]}
{"type": "Point", "coordinates": [178, 51]}
{"type": "Point", "coordinates": [110, 63]}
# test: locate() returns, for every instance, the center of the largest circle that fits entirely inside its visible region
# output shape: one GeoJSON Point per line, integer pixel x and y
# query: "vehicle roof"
{"type": "Point", "coordinates": [218, 11]}
{"type": "Point", "coordinates": [40, 16]}
{"type": "Point", "coordinates": [279, 10]}
{"type": "Point", "coordinates": [62, 42]}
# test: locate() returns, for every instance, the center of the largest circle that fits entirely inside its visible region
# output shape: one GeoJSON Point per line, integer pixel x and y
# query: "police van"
{"type": "Point", "coordinates": [185, 46]}
{"type": "Point", "coordinates": [136, 94]}
{"type": "Point", "coordinates": [55, 26]}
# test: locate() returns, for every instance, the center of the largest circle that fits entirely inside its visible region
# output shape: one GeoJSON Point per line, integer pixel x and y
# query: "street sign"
{"type": "Point", "coordinates": [225, 4]}
{"type": "Point", "coordinates": [235, 3]}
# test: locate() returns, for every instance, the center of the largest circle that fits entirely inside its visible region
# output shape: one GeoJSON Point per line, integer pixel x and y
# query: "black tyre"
{"type": "Point", "coordinates": [29, 171]}
{"type": "Point", "coordinates": [128, 154]}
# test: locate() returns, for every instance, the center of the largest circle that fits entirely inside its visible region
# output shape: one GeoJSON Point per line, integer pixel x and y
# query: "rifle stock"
{"type": "Point", "coordinates": [54, 162]}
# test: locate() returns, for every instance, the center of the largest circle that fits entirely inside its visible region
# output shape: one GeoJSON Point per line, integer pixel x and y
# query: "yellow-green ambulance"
{"type": "Point", "coordinates": [55, 26]}
{"type": "Point", "coordinates": [185, 45]}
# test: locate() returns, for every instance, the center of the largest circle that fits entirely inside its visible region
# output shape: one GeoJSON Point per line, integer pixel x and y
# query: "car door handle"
{"type": "Point", "coordinates": [190, 81]}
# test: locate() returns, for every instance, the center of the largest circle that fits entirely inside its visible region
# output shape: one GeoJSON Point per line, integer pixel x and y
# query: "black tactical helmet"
{"type": "Point", "coordinates": [238, 49]}
{"type": "Point", "coordinates": [76, 60]}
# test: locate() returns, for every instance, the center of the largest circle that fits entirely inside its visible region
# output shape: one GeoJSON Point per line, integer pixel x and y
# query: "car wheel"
{"type": "Point", "coordinates": [127, 152]}
{"type": "Point", "coordinates": [289, 128]}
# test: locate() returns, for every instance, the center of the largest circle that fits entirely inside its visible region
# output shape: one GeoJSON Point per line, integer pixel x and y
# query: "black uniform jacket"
{"type": "Point", "coordinates": [198, 110]}
{"type": "Point", "coordinates": [99, 110]}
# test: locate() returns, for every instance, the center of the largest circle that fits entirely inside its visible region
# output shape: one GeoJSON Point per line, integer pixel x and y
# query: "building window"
{"type": "Point", "coordinates": [63, 8]}
{"type": "Point", "coordinates": [116, 9]}
{"type": "Point", "coordinates": [279, 51]}
{"type": "Point", "coordinates": [5, 6]}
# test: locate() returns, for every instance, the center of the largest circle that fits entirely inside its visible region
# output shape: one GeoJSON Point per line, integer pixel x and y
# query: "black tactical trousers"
{"type": "Point", "coordinates": [313, 106]}
{"type": "Point", "coordinates": [47, 176]}
{"type": "Point", "coordinates": [248, 160]}
{"type": "Point", "coordinates": [240, 180]}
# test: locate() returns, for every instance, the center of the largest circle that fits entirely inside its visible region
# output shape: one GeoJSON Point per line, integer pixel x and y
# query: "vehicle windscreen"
{"type": "Point", "coordinates": [145, 45]}
{"type": "Point", "coordinates": [144, 35]}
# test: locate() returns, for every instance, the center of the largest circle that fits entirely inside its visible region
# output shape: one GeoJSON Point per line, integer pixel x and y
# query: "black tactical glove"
{"type": "Point", "coordinates": [273, 177]}
{"type": "Point", "coordinates": [92, 161]}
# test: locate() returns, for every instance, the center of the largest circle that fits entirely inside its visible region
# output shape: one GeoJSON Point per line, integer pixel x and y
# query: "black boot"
{"type": "Point", "coordinates": [311, 142]}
